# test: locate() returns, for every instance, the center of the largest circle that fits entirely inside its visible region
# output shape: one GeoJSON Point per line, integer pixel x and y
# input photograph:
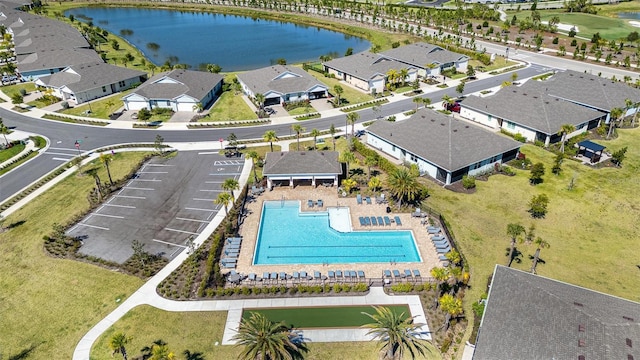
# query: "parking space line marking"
{"type": "Point", "coordinates": [182, 231]}
{"type": "Point", "coordinates": [60, 159]}
{"type": "Point", "coordinates": [214, 182]}
{"type": "Point", "coordinates": [224, 174]}
{"type": "Point", "coordinates": [122, 206]}
{"type": "Point", "coordinates": [130, 197]}
{"type": "Point", "coordinates": [135, 188]}
{"type": "Point", "coordinates": [93, 226]}
{"type": "Point", "coordinates": [153, 172]}
{"type": "Point", "coordinates": [209, 153]}
{"type": "Point", "coordinates": [65, 149]}
{"type": "Point", "coordinates": [199, 199]}
{"type": "Point", "coordinates": [196, 220]}
{"type": "Point", "coordinates": [219, 190]}
{"type": "Point", "coordinates": [169, 243]}
{"type": "Point", "coordinates": [111, 216]}
{"type": "Point", "coordinates": [145, 180]}
{"type": "Point", "coordinates": [56, 153]}
{"type": "Point", "coordinates": [159, 165]}
{"type": "Point", "coordinates": [189, 208]}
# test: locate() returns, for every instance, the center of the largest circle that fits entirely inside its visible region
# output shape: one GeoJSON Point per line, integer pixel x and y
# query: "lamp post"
{"type": "Point", "coordinates": [507, 53]}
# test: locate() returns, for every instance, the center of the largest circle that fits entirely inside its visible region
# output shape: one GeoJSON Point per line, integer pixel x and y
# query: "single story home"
{"type": "Point", "coordinates": [441, 146]}
{"type": "Point", "coordinates": [532, 317]}
{"type": "Point", "coordinates": [85, 82]}
{"type": "Point", "coordinates": [178, 90]}
{"type": "Point", "coordinates": [429, 59]}
{"type": "Point", "coordinates": [529, 111]}
{"type": "Point", "coordinates": [302, 168]}
{"type": "Point", "coordinates": [280, 84]}
{"type": "Point", "coordinates": [367, 71]}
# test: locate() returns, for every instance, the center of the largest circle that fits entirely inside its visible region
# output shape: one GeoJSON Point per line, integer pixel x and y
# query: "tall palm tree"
{"type": "Point", "coordinates": [94, 172]}
{"type": "Point", "coordinates": [230, 185]}
{"type": "Point", "coordinates": [338, 90]}
{"type": "Point", "coordinates": [451, 306]}
{"type": "Point", "coordinates": [513, 230]}
{"type": "Point", "coordinates": [270, 136]}
{"type": "Point", "coordinates": [347, 157]}
{"type": "Point", "coordinates": [541, 244]}
{"type": "Point", "coordinates": [260, 100]}
{"type": "Point", "coordinates": [565, 130]}
{"type": "Point", "coordinates": [396, 333]}
{"type": "Point", "coordinates": [223, 199]}
{"type": "Point", "coordinates": [315, 133]}
{"type": "Point", "coordinates": [332, 131]}
{"type": "Point", "coordinates": [441, 275]}
{"type": "Point", "coordinates": [392, 76]}
{"type": "Point", "coordinates": [264, 339]}
{"type": "Point", "coordinates": [426, 101]}
{"type": "Point", "coordinates": [403, 74]}
{"type": "Point", "coordinates": [447, 100]}
{"type": "Point", "coordinates": [352, 117]}
{"type": "Point", "coordinates": [105, 159]}
{"type": "Point", "coordinates": [417, 100]}
{"type": "Point", "coordinates": [4, 130]}
{"type": "Point", "coordinates": [118, 343]}
{"type": "Point", "coordinates": [371, 160]}
{"type": "Point", "coordinates": [253, 155]}
{"type": "Point", "coordinates": [298, 129]}
{"type": "Point", "coordinates": [402, 185]}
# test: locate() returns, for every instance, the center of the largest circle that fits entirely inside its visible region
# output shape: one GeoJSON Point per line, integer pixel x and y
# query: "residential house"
{"type": "Point", "coordinates": [85, 82]}
{"type": "Point", "coordinates": [302, 168]}
{"type": "Point", "coordinates": [178, 90]}
{"type": "Point", "coordinates": [529, 111]}
{"type": "Point", "coordinates": [531, 317]}
{"type": "Point", "coordinates": [367, 71]}
{"type": "Point", "coordinates": [441, 146]}
{"type": "Point", "coordinates": [281, 84]}
{"type": "Point", "coordinates": [429, 59]}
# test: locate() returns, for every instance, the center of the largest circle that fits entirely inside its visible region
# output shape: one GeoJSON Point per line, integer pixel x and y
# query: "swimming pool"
{"type": "Point", "coordinates": [287, 236]}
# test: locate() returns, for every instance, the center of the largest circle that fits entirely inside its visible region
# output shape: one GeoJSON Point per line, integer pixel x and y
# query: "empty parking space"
{"type": "Point", "coordinates": [165, 203]}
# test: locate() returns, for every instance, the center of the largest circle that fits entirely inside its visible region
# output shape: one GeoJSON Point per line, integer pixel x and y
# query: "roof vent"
{"type": "Point", "coordinates": [525, 94]}
{"type": "Point", "coordinates": [535, 97]}
{"type": "Point", "coordinates": [424, 117]}
{"type": "Point", "coordinates": [455, 130]}
{"type": "Point", "coordinates": [466, 126]}
{"type": "Point", "coordinates": [577, 304]}
{"type": "Point", "coordinates": [442, 124]}
{"type": "Point", "coordinates": [302, 153]}
{"type": "Point", "coordinates": [629, 344]}
{"type": "Point", "coordinates": [581, 328]}
{"type": "Point", "coordinates": [629, 357]}
{"type": "Point", "coordinates": [433, 120]}
{"type": "Point", "coordinates": [581, 343]}
{"type": "Point", "coordinates": [627, 318]}
{"type": "Point", "coordinates": [546, 102]}
{"type": "Point", "coordinates": [581, 357]}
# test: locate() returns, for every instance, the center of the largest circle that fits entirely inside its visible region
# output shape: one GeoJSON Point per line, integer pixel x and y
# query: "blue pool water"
{"type": "Point", "coordinates": [287, 236]}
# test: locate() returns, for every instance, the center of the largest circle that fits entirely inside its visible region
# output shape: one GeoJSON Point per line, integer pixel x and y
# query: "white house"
{"type": "Point", "coordinates": [442, 147]}
{"type": "Point", "coordinates": [85, 82]}
{"type": "Point", "coordinates": [178, 90]}
{"type": "Point", "coordinates": [281, 83]}
{"type": "Point", "coordinates": [302, 168]}
{"type": "Point", "coordinates": [429, 59]}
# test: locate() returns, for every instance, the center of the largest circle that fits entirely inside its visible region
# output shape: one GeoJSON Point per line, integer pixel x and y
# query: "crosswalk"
{"type": "Point", "coordinates": [227, 162]}
{"type": "Point", "coordinates": [62, 154]}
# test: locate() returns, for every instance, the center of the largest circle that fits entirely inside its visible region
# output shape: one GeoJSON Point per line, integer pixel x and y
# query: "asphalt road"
{"type": "Point", "coordinates": [63, 135]}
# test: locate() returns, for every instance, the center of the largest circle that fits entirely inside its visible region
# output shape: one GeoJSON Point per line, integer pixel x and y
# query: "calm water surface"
{"type": "Point", "coordinates": [629, 15]}
{"type": "Point", "coordinates": [233, 42]}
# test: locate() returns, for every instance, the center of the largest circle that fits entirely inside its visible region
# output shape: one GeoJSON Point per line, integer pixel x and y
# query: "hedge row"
{"type": "Point", "coordinates": [307, 116]}
{"type": "Point", "coordinates": [384, 164]}
{"type": "Point", "coordinates": [229, 124]}
{"type": "Point", "coordinates": [364, 105]}
{"type": "Point", "coordinates": [74, 120]}
{"type": "Point", "coordinates": [284, 290]}
{"type": "Point", "coordinates": [17, 160]}
{"type": "Point", "coordinates": [409, 287]}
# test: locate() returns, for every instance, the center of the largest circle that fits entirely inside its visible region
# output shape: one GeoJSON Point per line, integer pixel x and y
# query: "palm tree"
{"type": "Point", "coordinates": [404, 73]}
{"type": "Point", "coordinates": [352, 117]}
{"type": "Point", "coordinates": [188, 355]}
{"type": "Point", "coordinates": [270, 136]}
{"type": "Point", "coordinates": [513, 230]}
{"type": "Point", "coordinates": [223, 199]}
{"type": "Point", "coordinates": [392, 76]}
{"type": "Point", "coordinates": [161, 352]}
{"type": "Point", "coordinates": [426, 102]}
{"type": "Point", "coordinates": [338, 90]}
{"type": "Point", "coordinates": [541, 244]}
{"type": "Point", "coordinates": [152, 67]}
{"type": "Point", "coordinates": [253, 155]}
{"type": "Point", "coordinates": [230, 185]}
{"type": "Point", "coordinates": [118, 343]}
{"type": "Point", "coordinates": [403, 185]}
{"type": "Point", "coordinates": [374, 183]}
{"type": "Point", "coordinates": [396, 333]}
{"type": "Point", "coordinates": [198, 107]}
{"type": "Point", "coordinates": [4, 130]}
{"type": "Point", "coordinates": [332, 131]}
{"type": "Point", "coordinates": [94, 172]}
{"type": "Point", "coordinates": [298, 129]}
{"type": "Point", "coordinates": [616, 113]}
{"type": "Point", "coordinates": [347, 157]}
{"type": "Point", "coordinates": [451, 306]}
{"type": "Point", "coordinates": [565, 130]}
{"type": "Point", "coordinates": [260, 100]}
{"type": "Point", "coordinates": [441, 275]}
{"type": "Point", "coordinates": [371, 160]}
{"type": "Point", "coordinates": [105, 159]}
{"type": "Point", "coordinates": [315, 133]}
{"type": "Point", "coordinates": [447, 100]}
{"type": "Point", "coordinates": [417, 100]}
{"type": "Point", "coordinates": [264, 339]}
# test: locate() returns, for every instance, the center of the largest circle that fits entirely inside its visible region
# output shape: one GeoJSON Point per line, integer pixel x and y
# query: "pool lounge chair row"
{"type": "Point", "coordinates": [433, 230]}
{"type": "Point", "coordinates": [366, 199]}
{"type": "Point", "coordinates": [378, 221]}
{"type": "Point", "coordinates": [303, 276]}
{"type": "Point", "coordinates": [318, 203]}
{"type": "Point", "coordinates": [406, 274]}
{"type": "Point", "coordinates": [347, 274]}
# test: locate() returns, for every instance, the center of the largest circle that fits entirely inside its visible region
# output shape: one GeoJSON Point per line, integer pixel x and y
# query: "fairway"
{"type": "Point", "coordinates": [323, 317]}
{"type": "Point", "coordinates": [609, 28]}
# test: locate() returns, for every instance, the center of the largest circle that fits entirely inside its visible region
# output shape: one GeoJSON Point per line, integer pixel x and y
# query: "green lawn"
{"type": "Point", "coordinates": [100, 109]}
{"type": "Point", "coordinates": [351, 95]}
{"type": "Point", "coordinates": [230, 107]}
{"type": "Point", "coordinates": [323, 317]}
{"type": "Point", "coordinates": [609, 28]}
{"type": "Point", "coordinates": [302, 110]}
{"type": "Point", "coordinates": [591, 229]}
{"type": "Point", "coordinates": [48, 304]}
{"type": "Point", "coordinates": [11, 90]}
{"type": "Point", "coordinates": [10, 152]}
{"type": "Point", "coordinates": [199, 332]}
{"type": "Point", "coordinates": [499, 63]}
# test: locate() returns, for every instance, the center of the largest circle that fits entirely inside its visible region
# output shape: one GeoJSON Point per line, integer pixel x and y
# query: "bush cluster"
{"type": "Point", "coordinates": [286, 291]}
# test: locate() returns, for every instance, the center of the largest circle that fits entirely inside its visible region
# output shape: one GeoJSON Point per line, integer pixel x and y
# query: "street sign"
{"type": "Point", "coordinates": [77, 144]}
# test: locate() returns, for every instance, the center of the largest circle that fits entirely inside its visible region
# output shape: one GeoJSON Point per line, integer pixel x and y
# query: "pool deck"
{"type": "Point", "coordinates": [250, 224]}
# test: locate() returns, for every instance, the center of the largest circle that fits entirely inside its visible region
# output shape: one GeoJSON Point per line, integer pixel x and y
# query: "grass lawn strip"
{"type": "Point", "coordinates": [45, 315]}
{"type": "Point", "coordinates": [323, 317]}
{"type": "Point", "coordinates": [100, 109]}
{"type": "Point", "coordinates": [230, 107]}
{"type": "Point", "coordinates": [587, 24]}
{"type": "Point", "coordinates": [10, 152]}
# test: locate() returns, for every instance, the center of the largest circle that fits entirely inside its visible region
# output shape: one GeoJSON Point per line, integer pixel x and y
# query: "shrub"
{"type": "Point", "coordinates": [538, 206]}
{"type": "Point", "coordinates": [485, 24]}
{"type": "Point", "coordinates": [144, 114]}
{"type": "Point", "coordinates": [555, 40]}
{"type": "Point", "coordinates": [402, 287]}
{"type": "Point", "coordinates": [618, 156]}
{"type": "Point", "coordinates": [468, 182]}
{"type": "Point", "coordinates": [519, 137]}
{"type": "Point", "coordinates": [537, 171]}
{"type": "Point", "coordinates": [65, 105]}
{"type": "Point", "coordinates": [23, 92]}
{"type": "Point", "coordinates": [17, 99]}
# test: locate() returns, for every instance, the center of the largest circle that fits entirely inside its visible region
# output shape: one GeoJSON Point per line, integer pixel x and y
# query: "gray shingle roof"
{"type": "Point", "coordinates": [365, 65]}
{"type": "Point", "coordinates": [422, 54]}
{"type": "Point", "coordinates": [55, 59]}
{"type": "Point", "coordinates": [262, 80]}
{"type": "Point", "coordinates": [38, 33]}
{"type": "Point", "coordinates": [530, 317]}
{"type": "Point", "coordinates": [442, 140]}
{"type": "Point", "coordinates": [592, 90]}
{"type": "Point", "coordinates": [529, 106]}
{"type": "Point", "coordinates": [196, 84]}
{"type": "Point", "coordinates": [89, 76]}
{"type": "Point", "coordinates": [302, 162]}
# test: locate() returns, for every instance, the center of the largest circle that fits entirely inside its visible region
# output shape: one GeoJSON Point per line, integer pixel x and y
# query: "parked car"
{"type": "Point", "coordinates": [453, 107]}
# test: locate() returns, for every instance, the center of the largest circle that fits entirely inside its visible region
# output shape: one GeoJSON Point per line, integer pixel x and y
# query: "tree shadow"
{"type": "Point", "coordinates": [356, 171]}
{"type": "Point", "coordinates": [24, 354]}
{"type": "Point", "coordinates": [516, 257]}
{"type": "Point", "coordinates": [16, 224]}
{"type": "Point", "coordinates": [375, 172]}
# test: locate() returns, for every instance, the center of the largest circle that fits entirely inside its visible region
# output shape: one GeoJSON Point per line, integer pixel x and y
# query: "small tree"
{"type": "Point", "coordinates": [557, 164]}
{"type": "Point", "coordinates": [17, 98]}
{"type": "Point", "coordinates": [158, 144]}
{"type": "Point", "coordinates": [537, 172]}
{"type": "Point", "coordinates": [471, 72]}
{"type": "Point", "coordinates": [541, 244]}
{"type": "Point", "coordinates": [332, 131]}
{"type": "Point", "coordinates": [618, 156]}
{"type": "Point", "coordinates": [460, 88]}
{"type": "Point", "coordinates": [118, 343]}
{"type": "Point", "coordinates": [349, 184]}
{"type": "Point", "coordinates": [468, 182]}
{"type": "Point", "coordinates": [538, 206]}
{"type": "Point", "coordinates": [338, 90]}
{"type": "Point", "coordinates": [144, 114]}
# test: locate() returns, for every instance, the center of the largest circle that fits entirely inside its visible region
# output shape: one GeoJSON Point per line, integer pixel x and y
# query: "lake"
{"type": "Point", "coordinates": [629, 15]}
{"type": "Point", "coordinates": [234, 42]}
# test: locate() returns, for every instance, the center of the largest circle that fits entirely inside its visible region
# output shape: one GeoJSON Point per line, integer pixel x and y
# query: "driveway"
{"type": "Point", "coordinates": [182, 116]}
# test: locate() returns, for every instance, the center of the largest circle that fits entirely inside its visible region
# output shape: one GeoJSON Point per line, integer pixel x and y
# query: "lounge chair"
{"type": "Point", "coordinates": [226, 260]}
{"type": "Point", "coordinates": [416, 273]}
{"type": "Point", "coordinates": [231, 256]}
{"type": "Point", "coordinates": [320, 203]}
{"type": "Point", "coordinates": [231, 251]}
{"type": "Point", "coordinates": [443, 258]}
{"type": "Point", "coordinates": [303, 275]}
{"type": "Point", "coordinates": [387, 273]}
{"type": "Point", "coordinates": [367, 221]}
{"type": "Point", "coordinates": [387, 221]}
{"type": "Point", "coordinates": [265, 276]}
{"type": "Point", "coordinates": [359, 199]}
{"type": "Point", "coordinates": [310, 203]}
{"type": "Point", "coordinates": [398, 221]}
{"type": "Point", "coordinates": [396, 274]}
{"type": "Point", "coordinates": [431, 227]}
{"type": "Point", "coordinates": [407, 273]}
{"type": "Point", "coordinates": [438, 237]}
{"type": "Point", "coordinates": [433, 231]}
{"type": "Point", "coordinates": [233, 246]}
{"type": "Point", "coordinates": [234, 240]}
{"type": "Point", "coordinates": [283, 276]}
{"type": "Point", "coordinates": [380, 221]}
{"type": "Point", "coordinates": [374, 221]}
{"type": "Point", "coordinates": [228, 265]}
{"type": "Point", "coordinates": [338, 274]}
{"type": "Point", "coordinates": [362, 223]}
{"type": "Point", "coordinates": [317, 275]}
{"type": "Point", "coordinates": [332, 274]}
{"type": "Point", "coordinates": [361, 274]}
{"type": "Point", "coordinates": [274, 276]}
{"type": "Point", "coordinates": [252, 277]}
{"type": "Point", "coordinates": [440, 241]}
{"type": "Point", "coordinates": [296, 275]}
{"type": "Point", "coordinates": [368, 200]}
{"type": "Point", "coordinates": [442, 245]}
{"type": "Point", "coordinates": [444, 250]}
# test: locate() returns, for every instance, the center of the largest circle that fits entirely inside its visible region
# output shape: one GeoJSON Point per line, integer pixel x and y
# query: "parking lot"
{"type": "Point", "coordinates": [167, 202]}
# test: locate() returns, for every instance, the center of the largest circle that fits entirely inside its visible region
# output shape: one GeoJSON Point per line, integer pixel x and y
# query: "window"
{"type": "Point", "coordinates": [414, 158]}
{"type": "Point", "coordinates": [510, 125]}
{"type": "Point", "coordinates": [104, 89]}
{"type": "Point", "coordinates": [121, 84]}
